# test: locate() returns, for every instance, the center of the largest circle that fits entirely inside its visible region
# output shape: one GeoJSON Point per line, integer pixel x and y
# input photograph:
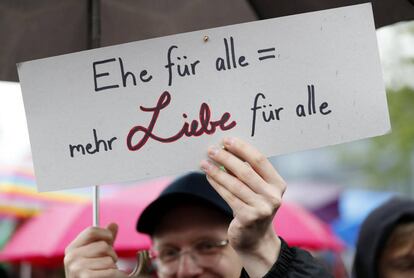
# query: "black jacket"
{"type": "Point", "coordinates": [294, 263]}
{"type": "Point", "coordinates": [374, 234]}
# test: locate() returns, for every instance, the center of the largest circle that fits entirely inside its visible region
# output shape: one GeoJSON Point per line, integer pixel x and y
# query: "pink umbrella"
{"type": "Point", "coordinates": [301, 228]}
{"type": "Point", "coordinates": [43, 239]}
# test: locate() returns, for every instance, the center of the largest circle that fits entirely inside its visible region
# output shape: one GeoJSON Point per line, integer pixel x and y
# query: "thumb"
{"type": "Point", "coordinates": [113, 228]}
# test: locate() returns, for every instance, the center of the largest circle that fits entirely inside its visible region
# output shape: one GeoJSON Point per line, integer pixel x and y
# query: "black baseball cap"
{"type": "Point", "coordinates": [192, 187]}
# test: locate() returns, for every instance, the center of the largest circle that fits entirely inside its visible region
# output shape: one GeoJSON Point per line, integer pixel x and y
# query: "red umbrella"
{"type": "Point", "coordinates": [301, 228]}
{"type": "Point", "coordinates": [43, 239]}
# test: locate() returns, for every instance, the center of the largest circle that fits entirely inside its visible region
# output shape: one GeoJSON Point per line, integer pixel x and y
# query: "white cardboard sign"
{"type": "Point", "coordinates": [151, 108]}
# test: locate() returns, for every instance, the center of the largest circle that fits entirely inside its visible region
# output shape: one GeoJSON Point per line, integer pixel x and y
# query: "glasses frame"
{"type": "Point", "coordinates": [194, 253]}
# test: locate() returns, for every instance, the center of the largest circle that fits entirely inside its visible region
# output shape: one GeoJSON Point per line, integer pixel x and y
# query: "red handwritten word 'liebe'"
{"type": "Point", "coordinates": [196, 128]}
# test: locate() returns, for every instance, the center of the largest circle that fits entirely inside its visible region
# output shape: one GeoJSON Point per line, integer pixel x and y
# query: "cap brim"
{"type": "Point", "coordinates": [153, 213]}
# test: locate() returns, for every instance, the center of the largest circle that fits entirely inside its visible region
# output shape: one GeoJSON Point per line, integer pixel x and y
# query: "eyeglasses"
{"type": "Point", "coordinates": [204, 253]}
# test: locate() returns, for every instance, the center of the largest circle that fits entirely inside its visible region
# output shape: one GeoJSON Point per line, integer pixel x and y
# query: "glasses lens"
{"type": "Point", "coordinates": [206, 248]}
{"type": "Point", "coordinates": [167, 255]}
{"type": "Point", "coordinates": [205, 253]}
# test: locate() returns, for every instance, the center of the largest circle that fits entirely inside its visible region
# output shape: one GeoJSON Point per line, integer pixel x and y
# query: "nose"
{"type": "Point", "coordinates": [187, 267]}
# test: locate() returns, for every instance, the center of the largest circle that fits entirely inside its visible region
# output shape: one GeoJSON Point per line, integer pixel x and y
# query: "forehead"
{"type": "Point", "coordinates": [189, 222]}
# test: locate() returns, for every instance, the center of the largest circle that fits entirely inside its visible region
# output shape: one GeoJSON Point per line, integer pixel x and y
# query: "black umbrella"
{"type": "Point", "coordinates": [42, 28]}
{"type": "Point", "coordinates": [386, 12]}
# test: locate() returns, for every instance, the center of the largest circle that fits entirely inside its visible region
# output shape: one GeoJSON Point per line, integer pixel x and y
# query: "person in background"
{"type": "Point", "coordinates": [385, 247]}
{"type": "Point", "coordinates": [217, 224]}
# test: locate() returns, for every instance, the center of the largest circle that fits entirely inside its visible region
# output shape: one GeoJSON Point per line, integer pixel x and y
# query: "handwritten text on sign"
{"type": "Point", "coordinates": [152, 107]}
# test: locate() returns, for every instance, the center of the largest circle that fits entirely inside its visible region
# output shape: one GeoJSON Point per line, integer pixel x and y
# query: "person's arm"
{"type": "Point", "coordinates": [253, 189]}
{"type": "Point", "coordinates": [91, 254]}
{"type": "Point", "coordinates": [297, 263]}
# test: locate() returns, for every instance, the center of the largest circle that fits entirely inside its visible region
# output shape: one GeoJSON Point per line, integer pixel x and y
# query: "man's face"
{"type": "Point", "coordinates": [397, 258]}
{"type": "Point", "coordinates": [191, 241]}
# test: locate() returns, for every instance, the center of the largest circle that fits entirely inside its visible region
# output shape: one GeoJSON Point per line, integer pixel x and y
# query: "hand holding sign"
{"type": "Point", "coordinates": [254, 190]}
{"type": "Point", "coordinates": [91, 254]}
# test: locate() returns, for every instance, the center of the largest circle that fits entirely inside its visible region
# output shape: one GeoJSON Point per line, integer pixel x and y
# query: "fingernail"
{"type": "Point", "coordinates": [228, 141]}
{"type": "Point", "coordinates": [205, 165]}
{"type": "Point", "coordinates": [212, 151]}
